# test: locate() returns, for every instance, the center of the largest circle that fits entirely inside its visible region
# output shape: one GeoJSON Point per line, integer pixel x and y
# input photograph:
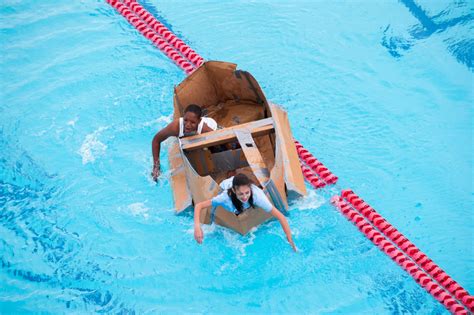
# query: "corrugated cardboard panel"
{"type": "Point", "coordinates": [202, 187]}
{"type": "Point", "coordinates": [293, 176]}
{"type": "Point", "coordinates": [179, 186]}
{"type": "Point", "coordinates": [252, 155]}
{"type": "Point", "coordinates": [277, 174]}
{"type": "Point", "coordinates": [242, 223]}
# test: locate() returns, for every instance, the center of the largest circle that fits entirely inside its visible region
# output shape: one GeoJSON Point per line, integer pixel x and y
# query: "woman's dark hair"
{"type": "Point", "coordinates": [240, 180]}
{"type": "Point", "coordinates": [193, 108]}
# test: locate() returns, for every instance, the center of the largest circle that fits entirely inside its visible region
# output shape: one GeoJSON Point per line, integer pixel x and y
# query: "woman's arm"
{"type": "Point", "coordinates": [171, 130]}
{"type": "Point", "coordinates": [284, 224]}
{"type": "Point", "coordinates": [198, 234]}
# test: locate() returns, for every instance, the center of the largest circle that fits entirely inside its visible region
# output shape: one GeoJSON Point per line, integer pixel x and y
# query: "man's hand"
{"type": "Point", "coordinates": [156, 172]}
{"type": "Point", "coordinates": [198, 235]}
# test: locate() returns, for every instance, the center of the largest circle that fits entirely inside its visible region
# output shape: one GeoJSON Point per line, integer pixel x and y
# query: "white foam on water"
{"type": "Point", "coordinates": [72, 122]}
{"type": "Point", "coordinates": [239, 242]}
{"type": "Point", "coordinates": [159, 121]}
{"type": "Point", "coordinates": [139, 209]}
{"type": "Point", "coordinates": [207, 229]}
{"type": "Point", "coordinates": [91, 147]}
{"type": "Point", "coordinates": [162, 180]}
{"type": "Point", "coordinates": [233, 239]}
{"type": "Point", "coordinates": [311, 201]}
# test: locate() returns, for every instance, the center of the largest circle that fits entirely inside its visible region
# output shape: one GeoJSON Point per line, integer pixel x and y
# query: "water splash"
{"type": "Point", "coordinates": [139, 209]}
{"type": "Point", "coordinates": [312, 201]}
{"type": "Point", "coordinates": [92, 148]}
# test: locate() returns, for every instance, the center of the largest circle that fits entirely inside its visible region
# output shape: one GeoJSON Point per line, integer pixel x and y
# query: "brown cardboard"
{"type": "Point", "coordinates": [181, 193]}
{"type": "Point", "coordinates": [266, 154]}
{"type": "Point", "coordinates": [293, 176]}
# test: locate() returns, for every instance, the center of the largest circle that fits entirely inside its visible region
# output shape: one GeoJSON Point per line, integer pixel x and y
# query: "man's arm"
{"type": "Point", "coordinates": [171, 130]}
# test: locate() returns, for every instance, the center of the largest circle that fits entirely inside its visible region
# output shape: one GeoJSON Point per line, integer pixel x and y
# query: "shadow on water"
{"type": "Point", "coordinates": [34, 247]}
{"type": "Point", "coordinates": [461, 48]}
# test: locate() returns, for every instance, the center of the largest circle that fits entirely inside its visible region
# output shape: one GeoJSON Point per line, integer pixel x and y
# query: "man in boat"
{"type": "Point", "coordinates": [190, 124]}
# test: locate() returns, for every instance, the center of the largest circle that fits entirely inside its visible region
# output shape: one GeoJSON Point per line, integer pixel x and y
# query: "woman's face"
{"type": "Point", "coordinates": [191, 122]}
{"type": "Point", "coordinates": [243, 193]}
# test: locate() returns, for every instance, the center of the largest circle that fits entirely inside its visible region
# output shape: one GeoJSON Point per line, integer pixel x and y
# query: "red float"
{"type": "Point", "coordinates": [410, 249]}
{"type": "Point", "coordinates": [311, 177]}
{"type": "Point", "coordinates": [143, 28]}
{"type": "Point", "coordinates": [163, 31]}
{"type": "Point", "coordinates": [420, 276]}
{"type": "Point", "coordinates": [315, 165]}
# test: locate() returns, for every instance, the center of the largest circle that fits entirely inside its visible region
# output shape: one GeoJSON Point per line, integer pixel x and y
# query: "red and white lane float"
{"type": "Point", "coordinates": [315, 164]}
{"type": "Point", "coordinates": [311, 177]}
{"type": "Point", "coordinates": [409, 248]}
{"type": "Point", "coordinates": [163, 31]}
{"type": "Point", "coordinates": [424, 271]}
{"type": "Point", "coordinates": [149, 33]}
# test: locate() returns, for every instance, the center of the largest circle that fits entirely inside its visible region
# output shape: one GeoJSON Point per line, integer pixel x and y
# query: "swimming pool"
{"type": "Point", "coordinates": [385, 101]}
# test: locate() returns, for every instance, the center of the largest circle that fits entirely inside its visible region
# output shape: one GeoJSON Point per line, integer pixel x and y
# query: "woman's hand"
{"type": "Point", "coordinates": [156, 172]}
{"type": "Point", "coordinates": [293, 245]}
{"type": "Point", "coordinates": [198, 234]}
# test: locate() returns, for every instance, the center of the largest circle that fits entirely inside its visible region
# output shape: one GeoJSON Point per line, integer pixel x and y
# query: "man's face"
{"type": "Point", "coordinates": [191, 122]}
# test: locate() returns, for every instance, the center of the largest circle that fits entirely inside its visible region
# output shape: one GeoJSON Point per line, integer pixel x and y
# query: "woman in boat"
{"type": "Point", "coordinates": [240, 194]}
{"type": "Point", "coordinates": [191, 123]}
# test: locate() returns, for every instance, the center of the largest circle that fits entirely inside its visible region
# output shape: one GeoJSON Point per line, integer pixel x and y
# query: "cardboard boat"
{"type": "Point", "coordinates": [255, 139]}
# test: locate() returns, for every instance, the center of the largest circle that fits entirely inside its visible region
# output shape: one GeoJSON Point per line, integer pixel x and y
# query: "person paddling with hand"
{"type": "Point", "coordinates": [240, 194]}
{"type": "Point", "coordinates": [190, 124]}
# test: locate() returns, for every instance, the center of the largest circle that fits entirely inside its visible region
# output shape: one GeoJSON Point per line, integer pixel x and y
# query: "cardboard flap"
{"type": "Point", "coordinates": [181, 192]}
{"type": "Point", "coordinates": [253, 156]}
{"type": "Point", "coordinates": [242, 223]}
{"type": "Point", "coordinates": [293, 176]}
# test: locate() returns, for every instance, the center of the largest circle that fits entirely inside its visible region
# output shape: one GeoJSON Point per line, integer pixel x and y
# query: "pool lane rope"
{"type": "Point", "coordinates": [166, 47]}
{"type": "Point", "coordinates": [311, 177]}
{"type": "Point", "coordinates": [409, 249]}
{"type": "Point", "coordinates": [165, 33]}
{"type": "Point", "coordinates": [306, 158]}
{"type": "Point", "coordinates": [414, 270]}
{"type": "Point", "coordinates": [425, 272]}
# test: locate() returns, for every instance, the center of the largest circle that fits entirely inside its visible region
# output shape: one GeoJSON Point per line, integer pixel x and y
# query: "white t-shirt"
{"type": "Point", "coordinates": [211, 123]}
{"type": "Point", "coordinates": [260, 200]}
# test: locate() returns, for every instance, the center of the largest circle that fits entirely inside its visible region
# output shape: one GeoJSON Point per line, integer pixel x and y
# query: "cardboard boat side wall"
{"type": "Point", "coordinates": [181, 193]}
{"type": "Point", "coordinates": [277, 175]}
{"type": "Point", "coordinates": [201, 187]}
{"type": "Point", "coordinates": [293, 177]}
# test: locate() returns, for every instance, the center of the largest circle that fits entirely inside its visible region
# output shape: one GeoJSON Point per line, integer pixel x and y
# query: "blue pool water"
{"type": "Point", "coordinates": [381, 92]}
